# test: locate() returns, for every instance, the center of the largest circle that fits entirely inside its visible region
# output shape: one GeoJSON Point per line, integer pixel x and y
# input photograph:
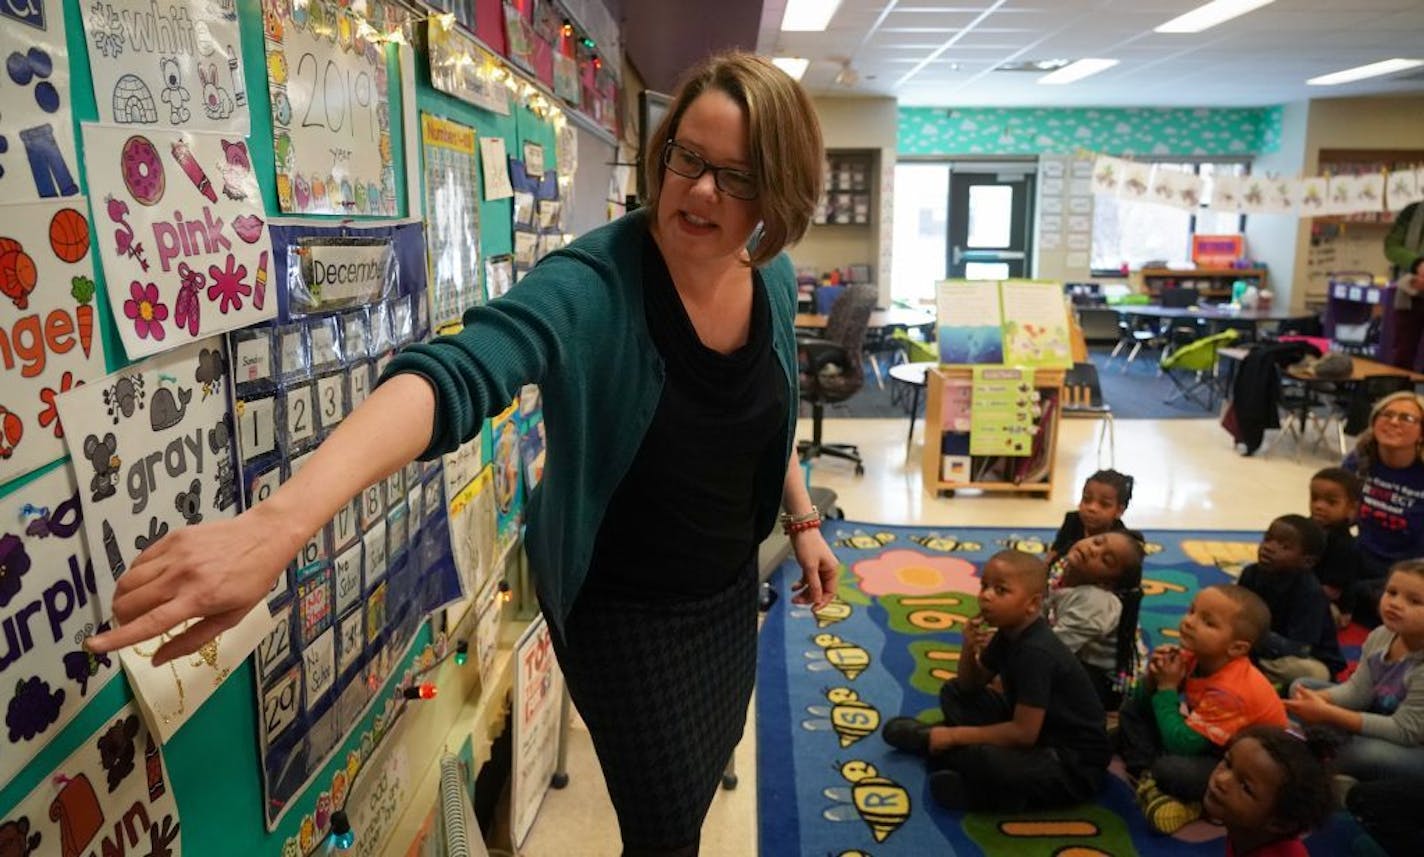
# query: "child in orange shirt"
{"type": "Point", "coordinates": [1196, 697]}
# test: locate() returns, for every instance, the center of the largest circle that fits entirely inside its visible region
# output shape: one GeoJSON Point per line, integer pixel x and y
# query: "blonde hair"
{"type": "Point", "coordinates": [1367, 448]}
{"type": "Point", "coordinates": [784, 142]}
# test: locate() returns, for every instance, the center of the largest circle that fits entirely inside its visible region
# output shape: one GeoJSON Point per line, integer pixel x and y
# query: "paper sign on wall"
{"type": "Point", "coordinates": [185, 248]}
{"type": "Point", "coordinates": [451, 217]}
{"type": "Point", "coordinates": [36, 118]}
{"type": "Point", "coordinates": [538, 687]}
{"type": "Point", "coordinates": [49, 341]}
{"type": "Point", "coordinates": [111, 796]}
{"type": "Point", "coordinates": [330, 116]}
{"type": "Point", "coordinates": [50, 600]}
{"type": "Point", "coordinates": [472, 530]}
{"type": "Point", "coordinates": [172, 65]}
{"type": "Point", "coordinates": [155, 454]}
{"type": "Point", "coordinates": [495, 168]}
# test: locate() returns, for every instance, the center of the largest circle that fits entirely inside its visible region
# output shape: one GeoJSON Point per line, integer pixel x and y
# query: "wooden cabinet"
{"type": "Point", "coordinates": [1031, 475]}
{"type": "Point", "coordinates": [1212, 283]}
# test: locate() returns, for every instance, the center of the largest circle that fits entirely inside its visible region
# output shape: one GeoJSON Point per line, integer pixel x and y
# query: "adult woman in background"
{"type": "Point", "coordinates": [1387, 458]}
{"type": "Point", "coordinates": [665, 349]}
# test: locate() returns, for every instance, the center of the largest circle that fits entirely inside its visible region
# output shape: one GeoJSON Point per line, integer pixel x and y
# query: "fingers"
{"type": "Point", "coordinates": [196, 636]}
{"type": "Point", "coordinates": [144, 570]}
{"type": "Point", "coordinates": [145, 627]}
{"type": "Point", "coordinates": [144, 599]}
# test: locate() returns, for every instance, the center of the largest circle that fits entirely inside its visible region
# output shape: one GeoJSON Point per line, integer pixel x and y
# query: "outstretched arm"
{"type": "Point", "coordinates": [819, 566]}
{"type": "Point", "coordinates": [218, 571]}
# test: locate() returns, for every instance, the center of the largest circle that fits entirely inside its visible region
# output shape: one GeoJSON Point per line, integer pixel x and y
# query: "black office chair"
{"type": "Point", "coordinates": [832, 368]}
{"type": "Point", "coordinates": [1083, 399]}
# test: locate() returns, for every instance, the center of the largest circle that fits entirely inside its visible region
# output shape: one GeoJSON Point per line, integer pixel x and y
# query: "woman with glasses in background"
{"type": "Point", "coordinates": [1389, 458]}
{"type": "Point", "coordinates": [665, 349]}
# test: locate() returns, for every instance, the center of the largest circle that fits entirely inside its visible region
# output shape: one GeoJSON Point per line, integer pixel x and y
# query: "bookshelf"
{"type": "Point", "coordinates": [1211, 283]}
{"type": "Point", "coordinates": [849, 198]}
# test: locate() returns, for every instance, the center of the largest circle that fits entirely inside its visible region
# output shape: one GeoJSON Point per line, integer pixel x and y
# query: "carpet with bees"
{"type": "Point", "coordinates": [828, 784]}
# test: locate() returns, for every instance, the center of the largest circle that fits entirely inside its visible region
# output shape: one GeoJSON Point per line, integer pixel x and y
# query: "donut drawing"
{"type": "Point", "coordinates": [142, 170]}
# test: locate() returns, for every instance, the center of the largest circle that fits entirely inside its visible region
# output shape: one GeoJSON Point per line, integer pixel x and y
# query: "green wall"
{"type": "Point", "coordinates": [1140, 131]}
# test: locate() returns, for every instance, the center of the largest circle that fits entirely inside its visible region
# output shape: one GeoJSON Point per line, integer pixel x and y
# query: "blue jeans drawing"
{"type": "Point", "coordinates": [52, 177]}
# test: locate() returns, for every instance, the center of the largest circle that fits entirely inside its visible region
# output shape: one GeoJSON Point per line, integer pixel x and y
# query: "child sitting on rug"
{"type": "Point", "coordinates": [1093, 609]}
{"type": "Point", "coordinates": [1302, 642]}
{"type": "Point", "coordinates": [1270, 788]}
{"type": "Point", "coordinates": [1105, 498]}
{"type": "Point", "coordinates": [1041, 743]}
{"type": "Point", "coordinates": [1196, 696]}
{"type": "Point", "coordinates": [1335, 495]}
{"type": "Point", "coordinates": [1381, 705]}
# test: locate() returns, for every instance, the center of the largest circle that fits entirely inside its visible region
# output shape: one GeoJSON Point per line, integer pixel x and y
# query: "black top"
{"type": "Point", "coordinates": [1339, 564]}
{"type": "Point", "coordinates": [1039, 671]}
{"type": "Point", "coordinates": [1072, 531]}
{"type": "Point", "coordinates": [681, 523]}
{"type": "Point", "coordinates": [1300, 616]}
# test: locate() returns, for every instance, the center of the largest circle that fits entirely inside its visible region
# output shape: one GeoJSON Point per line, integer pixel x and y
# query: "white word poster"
{"type": "Point", "coordinates": [185, 247]}
{"type": "Point", "coordinates": [49, 338]}
{"type": "Point", "coordinates": [111, 796]}
{"type": "Point", "coordinates": [494, 165]}
{"type": "Point", "coordinates": [451, 217]}
{"type": "Point", "coordinates": [330, 115]}
{"type": "Point", "coordinates": [155, 454]}
{"type": "Point", "coordinates": [538, 689]}
{"type": "Point", "coordinates": [176, 64]}
{"type": "Point", "coordinates": [474, 534]}
{"type": "Point", "coordinates": [37, 159]}
{"type": "Point", "coordinates": [50, 601]}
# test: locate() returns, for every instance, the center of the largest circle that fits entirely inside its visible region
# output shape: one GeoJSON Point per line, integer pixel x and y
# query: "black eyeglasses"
{"type": "Point", "coordinates": [690, 165]}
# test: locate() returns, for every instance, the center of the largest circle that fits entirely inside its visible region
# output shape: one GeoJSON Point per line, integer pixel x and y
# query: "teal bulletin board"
{"type": "Point", "coordinates": [213, 761]}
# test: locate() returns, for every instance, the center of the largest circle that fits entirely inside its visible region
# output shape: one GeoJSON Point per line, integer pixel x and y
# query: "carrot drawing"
{"type": "Point", "coordinates": [82, 288]}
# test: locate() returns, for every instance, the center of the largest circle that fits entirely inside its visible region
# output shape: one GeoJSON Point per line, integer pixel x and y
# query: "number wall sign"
{"type": "Point", "coordinates": [330, 115]}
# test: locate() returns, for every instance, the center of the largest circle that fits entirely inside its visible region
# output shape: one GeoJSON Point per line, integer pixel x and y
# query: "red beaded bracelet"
{"type": "Point", "coordinates": [792, 529]}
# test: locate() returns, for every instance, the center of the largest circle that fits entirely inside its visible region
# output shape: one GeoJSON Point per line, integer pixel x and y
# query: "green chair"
{"type": "Point", "coordinates": [1192, 369]}
{"type": "Point", "coordinates": [915, 350]}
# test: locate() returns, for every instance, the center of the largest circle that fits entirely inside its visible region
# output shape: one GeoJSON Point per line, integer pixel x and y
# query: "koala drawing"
{"type": "Point", "coordinates": [116, 750]}
{"type": "Point", "coordinates": [16, 840]}
{"type": "Point", "coordinates": [217, 102]}
{"type": "Point", "coordinates": [190, 502]}
{"type": "Point", "coordinates": [174, 94]}
{"type": "Point", "coordinates": [103, 455]}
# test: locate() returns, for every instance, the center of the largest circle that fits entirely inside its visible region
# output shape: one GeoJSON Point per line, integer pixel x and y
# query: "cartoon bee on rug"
{"type": "Point", "coordinates": [1230, 557]}
{"type": "Point", "coordinates": [1030, 545]}
{"type": "Point", "coordinates": [850, 716]}
{"type": "Point", "coordinates": [835, 611]}
{"type": "Point", "coordinates": [945, 543]}
{"type": "Point", "coordinates": [845, 656]}
{"type": "Point", "coordinates": [882, 803]}
{"type": "Point", "coordinates": [861, 540]}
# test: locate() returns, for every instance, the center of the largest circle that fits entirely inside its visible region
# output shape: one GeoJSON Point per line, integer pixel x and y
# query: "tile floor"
{"type": "Point", "coordinates": [1187, 476]}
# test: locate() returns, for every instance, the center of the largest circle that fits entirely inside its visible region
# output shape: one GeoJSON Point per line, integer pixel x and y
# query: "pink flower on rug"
{"type": "Point", "coordinates": [909, 572]}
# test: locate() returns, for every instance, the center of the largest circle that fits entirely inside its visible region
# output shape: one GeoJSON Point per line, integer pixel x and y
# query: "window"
{"type": "Point", "coordinates": [918, 248]}
{"type": "Point", "coordinates": [1134, 233]}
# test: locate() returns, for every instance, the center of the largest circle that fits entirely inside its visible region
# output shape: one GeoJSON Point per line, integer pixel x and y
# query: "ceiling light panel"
{"type": "Point", "coordinates": [1077, 70]}
{"type": "Point", "coordinates": [1365, 72]}
{"type": "Point", "coordinates": [808, 16]}
{"type": "Point", "coordinates": [1210, 15]}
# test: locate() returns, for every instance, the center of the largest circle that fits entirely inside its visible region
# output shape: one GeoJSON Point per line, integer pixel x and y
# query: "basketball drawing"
{"type": "Point", "coordinates": [69, 235]}
{"type": "Point", "coordinates": [17, 277]}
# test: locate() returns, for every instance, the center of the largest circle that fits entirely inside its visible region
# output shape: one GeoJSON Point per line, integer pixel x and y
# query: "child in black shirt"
{"type": "Point", "coordinates": [1105, 497]}
{"type": "Point", "coordinates": [1038, 745]}
{"type": "Point", "coordinates": [1302, 642]}
{"type": "Point", "coordinates": [1335, 495]}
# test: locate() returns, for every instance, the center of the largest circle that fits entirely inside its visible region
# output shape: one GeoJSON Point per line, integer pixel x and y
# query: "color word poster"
{"type": "Point", "coordinates": [451, 217]}
{"type": "Point", "coordinates": [176, 64]}
{"type": "Point", "coordinates": [185, 248]}
{"type": "Point", "coordinates": [111, 796]}
{"type": "Point", "coordinates": [329, 110]}
{"type": "Point", "coordinates": [155, 455]}
{"type": "Point", "coordinates": [50, 601]}
{"type": "Point", "coordinates": [37, 159]}
{"type": "Point", "coordinates": [49, 341]}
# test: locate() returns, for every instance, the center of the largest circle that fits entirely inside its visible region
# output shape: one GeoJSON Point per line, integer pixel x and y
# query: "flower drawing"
{"type": "Point", "coordinates": [144, 310]}
{"type": "Point", "coordinates": [50, 414]}
{"type": "Point", "coordinates": [909, 572]}
{"type": "Point", "coordinates": [228, 287]}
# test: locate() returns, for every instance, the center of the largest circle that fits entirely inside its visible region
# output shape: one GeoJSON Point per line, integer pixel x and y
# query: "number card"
{"type": "Point", "coordinates": [275, 650]}
{"type": "Point", "coordinates": [300, 417]}
{"type": "Point", "coordinates": [330, 116]}
{"type": "Point", "coordinates": [256, 426]}
{"type": "Point", "coordinates": [331, 401]}
{"type": "Point", "coordinates": [352, 632]}
{"type": "Point", "coordinates": [282, 704]}
{"type": "Point", "coordinates": [348, 578]}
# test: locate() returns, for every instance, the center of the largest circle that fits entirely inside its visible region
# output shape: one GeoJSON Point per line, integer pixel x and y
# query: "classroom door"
{"type": "Point", "coordinates": [989, 220]}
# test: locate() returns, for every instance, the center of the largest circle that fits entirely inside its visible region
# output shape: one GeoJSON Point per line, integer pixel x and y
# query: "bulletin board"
{"type": "Point", "coordinates": [223, 782]}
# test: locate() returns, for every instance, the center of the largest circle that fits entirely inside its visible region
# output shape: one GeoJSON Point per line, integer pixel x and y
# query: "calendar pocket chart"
{"type": "Point", "coordinates": [155, 455]}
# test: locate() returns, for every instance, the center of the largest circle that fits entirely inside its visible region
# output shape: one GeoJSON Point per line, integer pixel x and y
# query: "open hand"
{"type": "Point", "coordinates": [819, 569]}
{"type": "Point", "coordinates": [1311, 706]}
{"type": "Point", "coordinates": [213, 572]}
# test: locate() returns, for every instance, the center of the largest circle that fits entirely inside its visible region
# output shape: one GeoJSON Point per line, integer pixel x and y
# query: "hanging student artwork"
{"type": "Point", "coordinates": [50, 601]}
{"type": "Point", "coordinates": [459, 66]}
{"type": "Point", "coordinates": [451, 218]}
{"type": "Point", "coordinates": [183, 240]}
{"type": "Point", "coordinates": [508, 485]}
{"type": "Point", "coordinates": [111, 796]}
{"type": "Point", "coordinates": [473, 529]}
{"type": "Point", "coordinates": [49, 341]}
{"type": "Point", "coordinates": [351, 601]}
{"type": "Point", "coordinates": [326, 72]}
{"type": "Point", "coordinates": [172, 65]}
{"type": "Point", "coordinates": [154, 455]}
{"type": "Point", "coordinates": [37, 158]}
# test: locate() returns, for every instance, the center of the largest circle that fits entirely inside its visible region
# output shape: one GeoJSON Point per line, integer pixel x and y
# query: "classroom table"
{"type": "Point", "coordinates": [913, 375]}
{"type": "Point", "coordinates": [1216, 316]}
{"type": "Point", "coordinates": [880, 319]}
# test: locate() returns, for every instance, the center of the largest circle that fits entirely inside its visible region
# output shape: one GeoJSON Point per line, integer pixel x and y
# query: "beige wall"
{"type": "Point", "coordinates": [856, 123]}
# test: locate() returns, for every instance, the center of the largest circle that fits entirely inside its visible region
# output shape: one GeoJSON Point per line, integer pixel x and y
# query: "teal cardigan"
{"type": "Point", "coordinates": [575, 326]}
